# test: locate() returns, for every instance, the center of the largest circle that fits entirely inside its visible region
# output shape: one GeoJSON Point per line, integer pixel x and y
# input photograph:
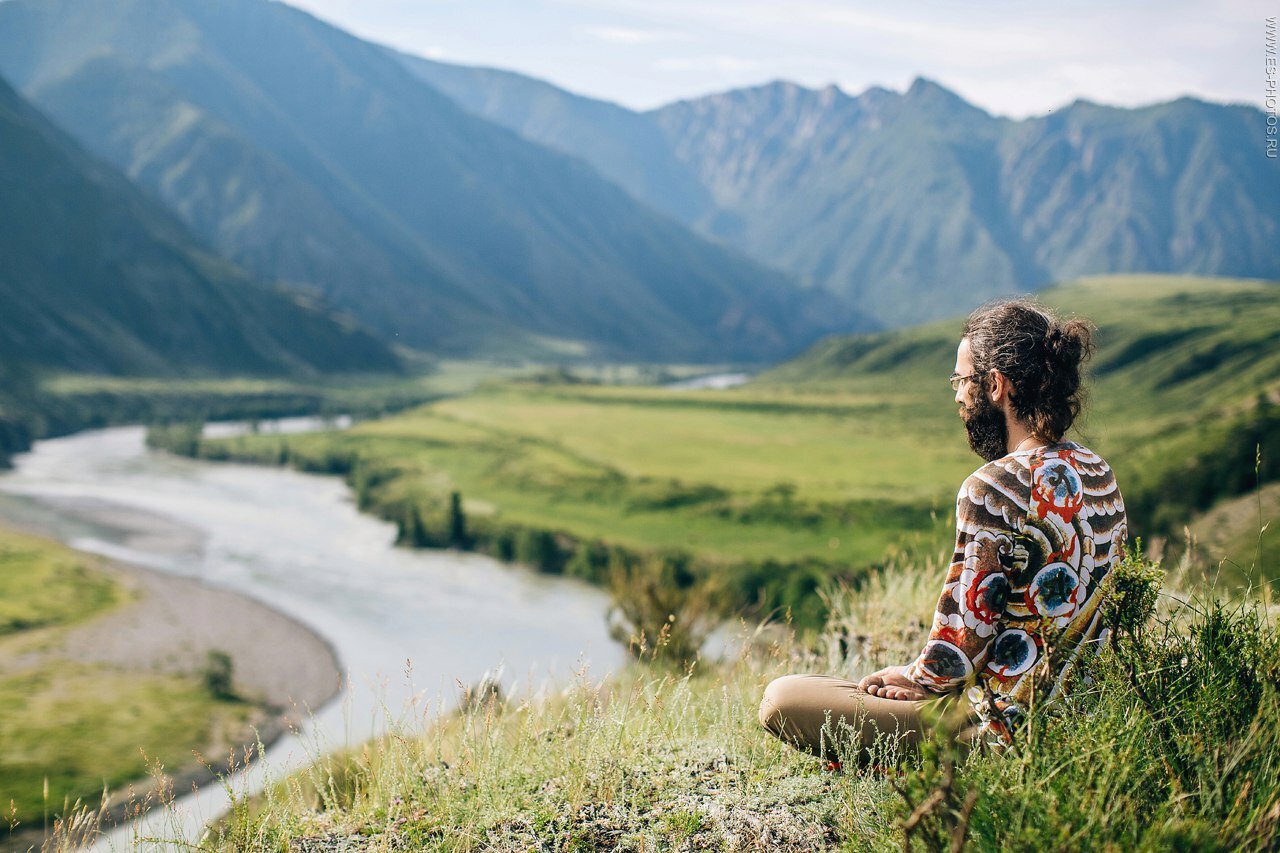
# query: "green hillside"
{"type": "Point", "coordinates": [97, 278]}
{"type": "Point", "coordinates": [1173, 749]}
{"type": "Point", "coordinates": [1166, 345]}
{"type": "Point", "coordinates": [1184, 383]}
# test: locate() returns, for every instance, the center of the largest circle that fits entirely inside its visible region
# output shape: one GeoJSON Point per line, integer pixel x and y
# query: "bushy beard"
{"type": "Point", "coordinates": [988, 432]}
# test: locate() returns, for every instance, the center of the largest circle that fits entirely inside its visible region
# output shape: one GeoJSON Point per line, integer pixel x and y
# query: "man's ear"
{"type": "Point", "coordinates": [1001, 387]}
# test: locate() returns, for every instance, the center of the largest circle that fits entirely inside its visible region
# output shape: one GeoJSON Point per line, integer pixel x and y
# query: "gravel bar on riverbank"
{"type": "Point", "coordinates": [169, 626]}
{"type": "Point", "coordinates": [173, 623]}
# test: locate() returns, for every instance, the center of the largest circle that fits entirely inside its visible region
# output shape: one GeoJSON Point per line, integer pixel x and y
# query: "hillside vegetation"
{"type": "Point", "coordinates": [99, 278]}
{"type": "Point", "coordinates": [656, 759]}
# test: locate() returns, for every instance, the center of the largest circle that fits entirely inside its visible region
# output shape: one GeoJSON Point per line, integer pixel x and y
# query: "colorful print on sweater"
{"type": "Point", "coordinates": [1036, 533]}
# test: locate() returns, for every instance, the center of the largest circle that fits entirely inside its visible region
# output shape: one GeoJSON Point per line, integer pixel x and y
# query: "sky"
{"type": "Point", "coordinates": [1010, 58]}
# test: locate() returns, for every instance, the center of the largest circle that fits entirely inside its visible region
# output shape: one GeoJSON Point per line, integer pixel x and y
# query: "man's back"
{"type": "Point", "coordinates": [1036, 533]}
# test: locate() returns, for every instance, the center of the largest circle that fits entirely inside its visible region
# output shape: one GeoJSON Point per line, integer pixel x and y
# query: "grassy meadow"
{"type": "Point", "coordinates": [767, 494]}
{"type": "Point", "coordinates": [71, 729]}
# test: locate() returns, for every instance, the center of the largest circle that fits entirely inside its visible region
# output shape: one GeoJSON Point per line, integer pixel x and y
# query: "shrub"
{"type": "Point", "coordinates": [539, 549]}
{"type": "Point", "coordinates": [458, 537]}
{"type": "Point", "coordinates": [217, 675]}
{"type": "Point", "coordinates": [182, 439]}
{"type": "Point", "coordinates": [660, 608]}
{"type": "Point", "coordinates": [1130, 591]}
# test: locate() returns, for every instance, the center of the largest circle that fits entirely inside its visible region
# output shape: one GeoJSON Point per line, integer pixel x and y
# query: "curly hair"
{"type": "Point", "coordinates": [1039, 354]}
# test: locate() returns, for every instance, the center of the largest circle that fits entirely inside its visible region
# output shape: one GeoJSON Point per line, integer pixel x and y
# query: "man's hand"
{"type": "Point", "coordinates": [890, 683]}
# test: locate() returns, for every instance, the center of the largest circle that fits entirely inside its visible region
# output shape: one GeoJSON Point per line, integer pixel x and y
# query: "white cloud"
{"type": "Point", "coordinates": [722, 63]}
{"type": "Point", "coordinates": [634, 35]}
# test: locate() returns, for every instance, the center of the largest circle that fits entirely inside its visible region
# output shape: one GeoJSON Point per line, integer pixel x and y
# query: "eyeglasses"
{"type": "Point", "coordinates": [956, 379]}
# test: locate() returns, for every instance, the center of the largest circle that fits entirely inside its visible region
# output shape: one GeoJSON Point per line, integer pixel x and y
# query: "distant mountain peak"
{"type": "Point", "coordinates": [832, 94]}
{"type": "Point", "coordinates": [774, 88]}
{"type": "Point", "coordinates": [923, 86]}
{"type": "Point", "coordinates": [781, 94]}
{"type": "Point", "coordinates": [877, 92]}
{"type": "Point", "coordinates": [931, 95]}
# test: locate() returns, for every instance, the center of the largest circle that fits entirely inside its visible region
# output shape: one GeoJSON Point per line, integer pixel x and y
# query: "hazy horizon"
{"type": "Point", "coordinates": [1005, 58]}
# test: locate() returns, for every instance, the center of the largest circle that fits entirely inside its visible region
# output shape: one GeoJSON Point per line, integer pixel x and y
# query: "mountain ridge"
{"type": "Point", "coordinates": [917, 204]}
{"type": "Point", "coordinates": [474, 237]}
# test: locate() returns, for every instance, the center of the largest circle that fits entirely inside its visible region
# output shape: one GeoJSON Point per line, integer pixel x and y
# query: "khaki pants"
{"type": "Point", "coordinates": [831, 718]}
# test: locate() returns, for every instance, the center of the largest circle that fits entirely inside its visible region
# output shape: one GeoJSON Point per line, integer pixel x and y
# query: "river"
{"type": "Point", "coordinates": [407, 625]}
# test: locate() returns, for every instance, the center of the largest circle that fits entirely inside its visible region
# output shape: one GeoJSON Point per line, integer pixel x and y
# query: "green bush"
{"type": "Point", "coordinates": [590, 561]}
{"type": "Point", "coordinates": [217, 675]}
{"type": "Point", "coordinates": [661, 610]}
{"type": "Point", "coordinates": [1130, 592]}
{"type": "Point", "coordinates": [540, 550]}
{"type": "Point", "coordinates": [458, 537]}
{"type": "Point", "coordinates": [182, 439]}
{"type": "Point", "coordinates": [649, 494]}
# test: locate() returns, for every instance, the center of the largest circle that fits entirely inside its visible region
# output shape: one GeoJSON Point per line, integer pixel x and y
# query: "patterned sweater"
{"type": "Point", "coordinates": [1036, 533]}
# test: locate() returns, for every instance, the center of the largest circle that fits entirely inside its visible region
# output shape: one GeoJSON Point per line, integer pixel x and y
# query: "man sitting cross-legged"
{"type": "Point", "coordinates": [1037, 529]}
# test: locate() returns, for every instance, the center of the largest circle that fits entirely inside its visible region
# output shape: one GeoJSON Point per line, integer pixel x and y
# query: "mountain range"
{"type": "Point", "coordinates": [311, 157]}
{"type": "Point", "coordinates": [918, 205]}
{"type": "Point", "coordinates": [478, 212]}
